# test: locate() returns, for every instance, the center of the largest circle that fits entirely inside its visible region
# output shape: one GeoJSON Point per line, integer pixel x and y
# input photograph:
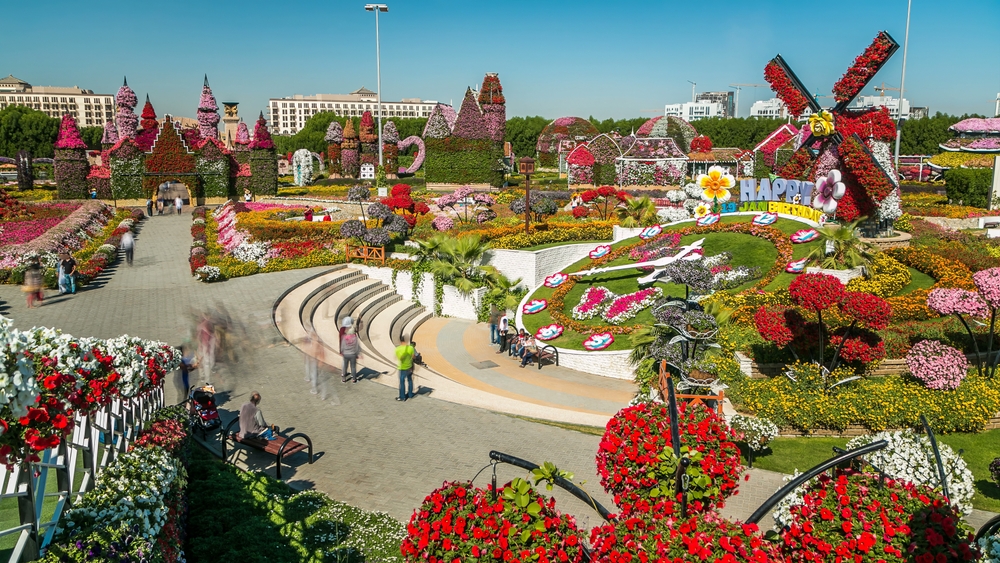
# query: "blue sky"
{"type": "Point", "coordinates": [554, 57]}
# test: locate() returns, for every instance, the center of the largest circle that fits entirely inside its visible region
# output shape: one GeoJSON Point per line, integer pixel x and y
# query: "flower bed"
{"type": "Point", "coordinates": [72, 233]}
{"type": "Point", "coordinates": [137, 506]}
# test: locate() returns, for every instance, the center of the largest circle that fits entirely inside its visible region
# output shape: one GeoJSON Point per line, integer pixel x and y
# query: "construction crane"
{"type": "Point", "coordinates": [881, 89]}
{"type": "Point", "coordinates": [739, 87]}
{"type": "Point", "coordinates": [996, 112]}
{"type": "Point", "coordinates": [693, 86]}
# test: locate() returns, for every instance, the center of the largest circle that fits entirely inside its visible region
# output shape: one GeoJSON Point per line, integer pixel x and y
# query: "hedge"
{"type": "Point", "coordinates": [971, 186]}
{"type": "Point", "coordinates": [71, 169]}
{"type": "Point", "coordinates": [264, 172]}
{"type": "Point", "coordinates": [455, 160]}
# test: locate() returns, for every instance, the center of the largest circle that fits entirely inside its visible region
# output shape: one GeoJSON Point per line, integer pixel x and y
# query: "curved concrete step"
{"type": "Point", "coordinates": [286, 312]}
{"type": "Point", "coordinates": [399, 324]}
{"type": "Point", "coordinates": [380, 337]}
{"type": "Point", "coordinates": [326, 320]}
{"type": "Point", "coordinates": [414, 324]}
{"type": "Point", "coordinates": [315, 299]}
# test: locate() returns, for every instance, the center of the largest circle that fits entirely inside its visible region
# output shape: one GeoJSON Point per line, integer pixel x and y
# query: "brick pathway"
{"type": "Point", "coordinates": [376, 453]}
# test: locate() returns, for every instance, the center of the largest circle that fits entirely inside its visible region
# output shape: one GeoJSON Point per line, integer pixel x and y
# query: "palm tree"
{"type": "Point", "coordinates": [637, 212]}
{"type": "Point", "coordinates": [430, 249]}
{"type": "Point", "coordinates": [459, 262]}
{"type": "Point", "coordinates": [841, 248]}
{"type": "Point", "coordinates": [505, 289]}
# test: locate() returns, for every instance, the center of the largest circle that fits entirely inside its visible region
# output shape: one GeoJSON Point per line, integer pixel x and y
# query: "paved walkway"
{"type": "Point", "coordinates": [376, 453]}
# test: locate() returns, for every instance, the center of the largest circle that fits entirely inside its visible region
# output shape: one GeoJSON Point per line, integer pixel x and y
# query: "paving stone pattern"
{"type": "Point", "coordinates": [375, 452]}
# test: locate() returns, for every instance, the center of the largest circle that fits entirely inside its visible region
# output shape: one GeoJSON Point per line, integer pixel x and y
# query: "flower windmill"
{"type": "Point", "coordinates": [855, 142]}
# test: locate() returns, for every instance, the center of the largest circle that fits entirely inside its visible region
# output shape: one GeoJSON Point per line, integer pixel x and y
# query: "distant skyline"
{"type": "Point", "coordinates": [554, 58]}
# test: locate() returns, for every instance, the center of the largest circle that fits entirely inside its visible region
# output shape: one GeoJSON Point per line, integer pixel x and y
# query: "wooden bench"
{"type": "Point", "coordinates": [547, 352]}
{"type": "Point", "coordinates": [279, 447]}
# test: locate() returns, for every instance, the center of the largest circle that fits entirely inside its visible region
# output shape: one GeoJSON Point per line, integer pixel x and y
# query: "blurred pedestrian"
{"type": "Point", "coordinates": [60, 276]}
{"type": "Point", "coordinates": [69, 270]}
{"type": "Point", "coordinates": [313, 350]}
{"type": "Point", "coordinates": [206, 346]}
{"type": "Point", "coordinates": [188, 363]}
{"type": "Point", "coordinates": [350, 349]}
{"type": "Point", "coordinates": [33, 282]}
{"type": "Point", "coordinates": [179, 204]}
{"type": "Point", "coordinates": [159, 199]}
{"type": "Point", "coordinates": [149, 206]}
{"type": "Point", "coordinates": [128, 245]}
{"type": "Point", "coordinates": [504, 328]}
{"type": "Point", "coordinates": [494, 324]}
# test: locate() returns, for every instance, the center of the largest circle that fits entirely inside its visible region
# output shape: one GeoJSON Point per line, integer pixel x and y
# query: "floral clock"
{"type": "Point", "coordinates": [765, 219]}
{"type": "Point", "coordinates": [550, 332]}
{"type": "Point", "coordinates": [600, 252]}
{"type": "Point", "coordinates": [598, 341]}
{"type": "Point", "coordinates": [710, 219]}
{"type": "Point", "coordinates": [556, 279]}
{"type": "Point", "coordinates": [534, 306]}
{"type": "Point", "coordinates": [797, 266]}
{"type": "Point", "coordinates": [805, 235]}
{"type": "Point", "coordinates": [650, 232]}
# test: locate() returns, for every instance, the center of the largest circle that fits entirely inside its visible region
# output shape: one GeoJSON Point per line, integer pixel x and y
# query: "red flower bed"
{"type": "Point", "coordinates": [863, 166]}
{"type": "Point", "coordinates": [816, 292]}
{"type": "Point", "coordinates": [783, 87]}
{"type": "Point", "coordinates": [461, 522]}
{"type": "Point", "coordinates": [860, 346]}
{"type": "Point", "coordinates": [636, 463]}
{"type": "Point", "coordinates": [864, 68]}
{"type": "Point", "coordinates": [869, 310]}
{"type": "Point", "coordinates": [855, 517]}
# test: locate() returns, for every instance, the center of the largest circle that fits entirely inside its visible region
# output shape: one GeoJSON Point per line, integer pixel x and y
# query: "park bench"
{"type": "Point", "coordinates": [279, 447]}
{"type": "Point", "coordinates": [549, 353]}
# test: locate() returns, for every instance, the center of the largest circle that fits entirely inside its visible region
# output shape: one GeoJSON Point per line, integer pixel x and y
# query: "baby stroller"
{"type": "Point", "coordinates": [201, 405]}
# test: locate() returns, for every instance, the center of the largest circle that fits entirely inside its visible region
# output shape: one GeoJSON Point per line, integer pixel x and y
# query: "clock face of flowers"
{"type": "Point", "coordinates": [650, 232]}
{"type": "Point", "coordinates": [716, 184]}
{"type": "Point", "coordinates": [797, 266]}
{"type": "Point", "coordinates": [805, 235]}
{"type": "Point", "coordinates": [710, 219]}
{"type": "Point", "coordinates": [549, 332]}
{"type": "Point", "coordinates": [598, 341]}
{"type": "Point", "coordinates": [765, 218]}
{"type": "Point", "coordinates": [556, 279]}
{"type": "Point", "coordinates": [600, 251]}
{"type": "Point", "coordinates": [534, 306]}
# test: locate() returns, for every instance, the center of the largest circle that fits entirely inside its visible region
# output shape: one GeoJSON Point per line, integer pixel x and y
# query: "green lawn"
{"type": "Point", "coordinates": [551, 244]}
{"type": "Point", "coordinates": [918, 280]}
{"type": "Point", "coordinates": [788, 454]}
{"type": "Point", "coordinates": [747, 250]}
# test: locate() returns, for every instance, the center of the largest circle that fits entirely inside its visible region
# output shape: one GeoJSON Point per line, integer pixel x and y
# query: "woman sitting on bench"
{"type": "Point", "coordinates": [252, 423]}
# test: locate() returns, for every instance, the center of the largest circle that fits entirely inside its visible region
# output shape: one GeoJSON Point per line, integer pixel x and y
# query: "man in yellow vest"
{"type": "Point", "coordinates": [404, 359]}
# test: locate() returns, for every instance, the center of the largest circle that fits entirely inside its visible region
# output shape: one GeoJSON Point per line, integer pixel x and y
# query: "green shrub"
{"type": "Point", "coordinates": [971, 186]}
{"type": "Point", "coordinates": [455, 160]}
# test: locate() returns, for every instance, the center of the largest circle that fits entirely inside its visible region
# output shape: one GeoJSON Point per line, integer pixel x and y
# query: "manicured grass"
{"type": "Point", "coordinates": [788, 454]}
{"type": "Point", "coordinates": [746, 250]}
{"type": "Point", "coordinates": [551, 244]}
{"type": "Point", "coordinates": [918, 280]}
{"type": "Point", "coordinates": [250, 517]}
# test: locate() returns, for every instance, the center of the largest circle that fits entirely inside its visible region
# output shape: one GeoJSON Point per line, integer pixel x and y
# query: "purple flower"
{"type": "Point", "coordinates": [470, 123]}
{"type": "Point", "coordinates": [334, 133]}
{"type": "Point", "coordinates": [110, 136]}
{"type": "Point", "coordinates": [948, 301]}
{"type": "Point", "coordinates": [208, 113]}
{"type": "Point", "coordinates": [988, 284]}
{"type": "Point", "coordinates": [937, 365]}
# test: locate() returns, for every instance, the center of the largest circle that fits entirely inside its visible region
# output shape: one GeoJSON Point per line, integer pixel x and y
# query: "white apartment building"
{"type": "Point", "coordinates": [693, 111]}
{"type": "Point", "coordinates": [89, 108]}
{"type": "Point", "coordinates": [893, 104]}
{"type": "Point", "coordinates": [773, 108]}
{"type": "Point", "coordinates": [289, 115]}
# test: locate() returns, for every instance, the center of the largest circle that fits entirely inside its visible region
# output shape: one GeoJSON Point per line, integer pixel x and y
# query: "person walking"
{"type": "Point", "coordinates": [206, 346]}
{"type": "Point", "coordinates": [247, 196]}
{"type": "Point", "coordinates": [159, 199]}
{"type": "Point", "coordinates": [128, 245]}
{"type": "Point", "coordinates": [179, 204]}
{"type": "Point", "coordinates": [60, 276]}
{"type": "Point", "coordinates": [350, 349]}
{"type": "Point", "coordinates": [188, 363]}
{"type": "Point", "coordinates": [494, 324]}
{"type": "Point", "coordinates": [503, 327]}
{"type": "Point", "coordinates": [252, 423]}
{"type": "Point", "coordinates": [404, 361]}
{"type": "Point", "coordinates": [149, 206]}
{"type": "Point", "coordinates": [313, 350]}
{"type": "Point", "coordinates": [33, 283]}
{"type": "Point", "coordinates": [69, 270]}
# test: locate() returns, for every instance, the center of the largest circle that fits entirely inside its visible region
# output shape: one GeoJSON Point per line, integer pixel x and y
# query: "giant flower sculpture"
{"type": "Point", "coordinates": [855, 142]}
{"type": "Point", "coordinates": [829, 190]}
{"type": "Point", "coordinates": [716, 184]}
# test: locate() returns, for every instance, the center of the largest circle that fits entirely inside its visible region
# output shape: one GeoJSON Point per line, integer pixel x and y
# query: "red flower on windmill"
{"type": "Point", "coordinates": [853, 141]}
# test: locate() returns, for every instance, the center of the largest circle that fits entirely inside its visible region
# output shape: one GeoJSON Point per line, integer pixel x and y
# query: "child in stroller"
{"type": "Point", "coordinates": [201, 405]}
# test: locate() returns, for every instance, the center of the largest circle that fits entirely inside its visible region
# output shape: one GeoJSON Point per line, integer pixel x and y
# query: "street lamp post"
{"type": "Point", "coordinates": [902, 84]}
{"type": "Point", "coordinates": [526, 166]}
{"type": "Point", "coordinates": [378, 70]}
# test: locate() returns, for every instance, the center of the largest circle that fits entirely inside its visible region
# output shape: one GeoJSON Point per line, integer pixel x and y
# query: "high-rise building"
{"type": "Point", "coordinates": [724, 99]}
{"type": "Point", "coordinates": [693, 111]}
{"type": "Point", "coordinates": [90, 109]}
{"type": "Point", "coordinates": [892, 104]}
{"type": "Point", "coordinates": [289, 115]}
{"type": "Point", "coordinates": [773, 108]}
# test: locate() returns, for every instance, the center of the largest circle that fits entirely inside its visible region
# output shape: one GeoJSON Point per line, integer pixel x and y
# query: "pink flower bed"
{"type": "Point", "coordinates": [939, 366]}
{"type": "Point", "coordinates": [591, 303]}
{"type": "Point", "coordinates": [628, 306]}
{"type": "Point", "coordinates": [20, 232]}
{"type": "Point", "coordinates": [72, 233]}
{"type": "Point", "coordinates": [253, 206]}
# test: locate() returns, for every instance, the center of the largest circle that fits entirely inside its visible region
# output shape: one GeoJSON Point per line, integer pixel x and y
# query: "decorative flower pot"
{"type": "Point", "coordinates": [843, 275]}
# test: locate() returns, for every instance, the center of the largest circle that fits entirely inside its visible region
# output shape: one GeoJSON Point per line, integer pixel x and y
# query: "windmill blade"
{"type": "Point", "coordinates": [867, 156]}
{"type": "Point", "coordinates": [883, 42]}
{"type": "Point", "coordinates": [796, 83]}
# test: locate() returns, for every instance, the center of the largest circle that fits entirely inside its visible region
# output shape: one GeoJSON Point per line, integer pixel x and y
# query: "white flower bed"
{"type": "Point", "coordinates": [208, 274]}
{"type": "Point", "coordinates": [672, 214]}
{"type": "Point", "coordinates": [592, 303]}
{"type": "Point", "coordinates": [756, 432]}
{"type": "Point", "coordinates": [909, 457]}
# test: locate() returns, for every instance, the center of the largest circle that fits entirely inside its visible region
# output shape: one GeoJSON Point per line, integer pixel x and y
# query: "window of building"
{"type": "Point", "coordinates": [284, 105]}
{"type": "Point", "coordinates": [314, 105]}
{"type": "Point", "coordinates": [64, 100]}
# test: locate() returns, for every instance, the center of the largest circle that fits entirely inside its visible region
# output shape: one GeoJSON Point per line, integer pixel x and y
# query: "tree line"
{"type": "Point", "coordinates": [24, 128]}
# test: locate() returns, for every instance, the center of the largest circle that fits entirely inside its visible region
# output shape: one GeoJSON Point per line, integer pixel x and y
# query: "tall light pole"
{"type": "Point", "coordinates": [378, 69]}
{"type": "Point", "coordinates": [693, 86]}
{"type": "Point", "coordinates": [902, 83]}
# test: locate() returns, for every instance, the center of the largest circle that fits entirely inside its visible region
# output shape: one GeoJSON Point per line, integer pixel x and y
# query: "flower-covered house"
{"type": "Point", "coordinates": [976, 142]}
{"type": "Point", "coordinates": [560, 137]}
{"type": "Point", "coordinates": [651, 161]}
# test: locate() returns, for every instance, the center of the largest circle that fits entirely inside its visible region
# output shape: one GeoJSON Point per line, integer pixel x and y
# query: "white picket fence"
{"type": "Point", "coordinates": [94, 443]}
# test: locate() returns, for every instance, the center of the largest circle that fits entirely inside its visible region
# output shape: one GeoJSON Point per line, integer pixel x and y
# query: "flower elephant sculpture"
{"type": "Point", "coordinates": [417, 160]}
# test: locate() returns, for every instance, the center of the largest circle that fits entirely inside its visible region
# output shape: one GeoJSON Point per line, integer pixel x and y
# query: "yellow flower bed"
{"type": "Point", "coordinates": [963, 159]}
{"type": "Point", "coordinates": [585, 231]}
{"type": "Point", "coordinates": [886, 277]}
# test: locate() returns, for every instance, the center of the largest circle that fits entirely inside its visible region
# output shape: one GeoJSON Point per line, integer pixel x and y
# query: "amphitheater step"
{"type": "Point", "coordinates": [319, 295]}
{"type": "Point", "coordinates": [287, 309]}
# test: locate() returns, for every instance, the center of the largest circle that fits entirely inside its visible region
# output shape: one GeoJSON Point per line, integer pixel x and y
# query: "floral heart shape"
{"type": "Point", "coordinates": [805, 235]}
{"type": "Point", "coordinates": [650, 232]}
{"type": "Point", "coordinates": [556, 279]}
{"type": "Point", "coordinates": [709, 219]}
{"type": "Point", "coordinates": [600, 251]}
{"type": "Point", "coordinates": [797, 266]}
{"type": "Point", "coordinates": [534, 306]}
{"type": "Point", "coordinates": [598, 341]}
{"type": "Point", "coordinates": [550, 332]}
{"type": "Point", "coordinates": [765, 218]}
